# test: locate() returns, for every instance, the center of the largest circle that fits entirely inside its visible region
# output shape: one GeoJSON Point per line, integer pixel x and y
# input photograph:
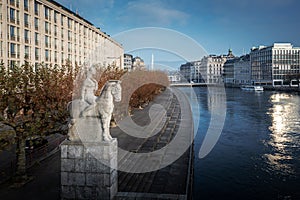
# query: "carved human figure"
{"type": "Point", "coordinates": [89, 87]}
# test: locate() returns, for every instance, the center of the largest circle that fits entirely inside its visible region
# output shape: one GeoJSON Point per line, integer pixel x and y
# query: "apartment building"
{"type": "Point", "coordinates": [43, 31]}
{"type": "Point", "coordinates": [128, 61]}
{"type": "Point", "coordinates": [207, 70]}
{"type": "Point", "coordinates": [138, 63]}
{"type": "Point", "coordinates": [275, 65]}
{"type": "Point", "coordinates": [187, 71]}
{"type": "Point", "coordinates": [242, 70]}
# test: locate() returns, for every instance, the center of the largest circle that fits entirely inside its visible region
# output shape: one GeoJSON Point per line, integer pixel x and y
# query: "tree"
{"type": "Point", "coordinates": [33, 102]}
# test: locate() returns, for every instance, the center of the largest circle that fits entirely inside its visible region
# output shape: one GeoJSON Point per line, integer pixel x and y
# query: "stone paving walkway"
{"type": "Point", "coordinates": [170, 182]}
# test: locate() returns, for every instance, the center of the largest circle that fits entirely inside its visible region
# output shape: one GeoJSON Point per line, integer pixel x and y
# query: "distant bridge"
{"type": "Point", "coordinates": [193, 84]}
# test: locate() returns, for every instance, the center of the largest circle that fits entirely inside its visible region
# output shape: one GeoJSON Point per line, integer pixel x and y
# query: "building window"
{"type": "Point", "coordinates": [12, 50]}
{"type": "Point", "coordinates": [36, 7]}
{"type": "Point", "coordinates": [26, 20]}
{"type": "Point", "coordinates": [47, 44]}
{"type": "Point", "coordinates": [47, 27]}
{"type": "Point", "coordinates": [69, 47]}
{"type": "Point", "coordinates": [36, 23]}
{"type": "Point", "coordinates": [1, 47]}
{"type": "Point", "coordinates": [26, 52]}
{"type": "Point", "coordinates": [37, 53]}
{"type": "Point", "coordinates": [55, 17]}
{"type": "Point", "coordinates": [26, 5]}
{"type": "Point", "coordinates": [36, 38]}
{"type": "Point", "coordinates": [26, 36]}
{"type": "Point", "coordinates": [55, 30]}
{"type": "Point", "coordinates": [55, 43]}
{"type": "Point", "coordinates": [12, 15]}
{"type": "Point", "coordinates": [69, 23]}
{"type": "Point", "coordinates": [47, 13]}
{"type": "Point", "coordinates": [69, 35]}
{"type": "Point", "coordinates": [47, 55]}
{"type": "Point", "coordinates": [55, 56]}
{"type": "Point", "coordinates": [62, 20]}
{"type": "Point", "coordinates": [12, 32]}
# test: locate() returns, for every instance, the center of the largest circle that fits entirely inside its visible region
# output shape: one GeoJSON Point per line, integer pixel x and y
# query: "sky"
{"type": "Point", "coordinates": [216, 25]}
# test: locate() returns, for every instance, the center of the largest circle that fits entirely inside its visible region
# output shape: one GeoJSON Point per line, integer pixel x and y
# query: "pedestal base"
{"type": "Point", "coordinates": [89, 170]}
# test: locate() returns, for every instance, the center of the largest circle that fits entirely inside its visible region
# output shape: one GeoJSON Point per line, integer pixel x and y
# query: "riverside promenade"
{"type": "Point", "coordinates": [171, 182]}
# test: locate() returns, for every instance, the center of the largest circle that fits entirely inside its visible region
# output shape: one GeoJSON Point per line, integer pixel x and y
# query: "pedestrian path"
{"type": "Point", "coordinates": [171, 182]}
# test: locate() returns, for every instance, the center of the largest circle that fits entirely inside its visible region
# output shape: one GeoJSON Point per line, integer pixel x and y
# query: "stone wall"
{"type": "Point", "coordinates": [88, 171]}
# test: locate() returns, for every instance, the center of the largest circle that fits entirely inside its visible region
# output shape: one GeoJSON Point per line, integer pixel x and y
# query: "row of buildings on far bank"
{"type": "Point", "coordinates": [45, 32]}
{"type": "Point", "coordinates": [276, 65]}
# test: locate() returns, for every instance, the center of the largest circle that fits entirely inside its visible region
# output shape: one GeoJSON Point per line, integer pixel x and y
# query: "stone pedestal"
{"type": "Point", "coordinates": [88, 170]}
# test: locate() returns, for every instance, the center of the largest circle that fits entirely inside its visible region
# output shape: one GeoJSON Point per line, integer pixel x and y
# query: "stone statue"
{"type": "Point", "coordinates": [89, 107]}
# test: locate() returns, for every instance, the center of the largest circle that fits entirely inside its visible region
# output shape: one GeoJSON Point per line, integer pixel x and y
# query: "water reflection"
{"type": "Point", "coordinates": [284, 135]}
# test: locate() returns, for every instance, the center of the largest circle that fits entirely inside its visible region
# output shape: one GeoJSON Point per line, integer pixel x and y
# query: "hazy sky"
{"type": "Point", "coordinates": [215, 24]}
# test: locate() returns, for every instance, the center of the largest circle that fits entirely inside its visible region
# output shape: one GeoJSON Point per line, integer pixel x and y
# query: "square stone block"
{"type": "Point", "coordinates": [64, 178]}
{"type": "Point", "coordinates": [64, 151]}
{"type": "Point", "coordinates": [76, 179]}
{"type": "Point", "coordinates": [110, 179]}
{"type": "Point", "coordinates": [67, 192]}
{"type": "Point", "coordinates": [67, 165]}
{"type": "Point", "coordinates": [85, 192]}
{"type": "Point", "coordinates": [79, 165]}
{"type": "Point", "coordinates": [75, 151]}
{"type": "Point", "coordinates": [94, 179]}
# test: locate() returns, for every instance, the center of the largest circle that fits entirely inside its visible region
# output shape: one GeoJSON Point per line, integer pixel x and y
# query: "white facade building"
{"type": "Point", "coordinates": [43, 31]}
{"type": "Point", "coordinates": [275, 65]}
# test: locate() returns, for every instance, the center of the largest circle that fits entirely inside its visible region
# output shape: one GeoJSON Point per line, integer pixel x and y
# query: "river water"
{"type": "Point", "coordinates": [257, 155]}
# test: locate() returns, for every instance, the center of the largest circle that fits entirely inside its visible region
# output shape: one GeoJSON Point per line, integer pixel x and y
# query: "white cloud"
{"type": "Point", "coordinates": [153, 13]}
